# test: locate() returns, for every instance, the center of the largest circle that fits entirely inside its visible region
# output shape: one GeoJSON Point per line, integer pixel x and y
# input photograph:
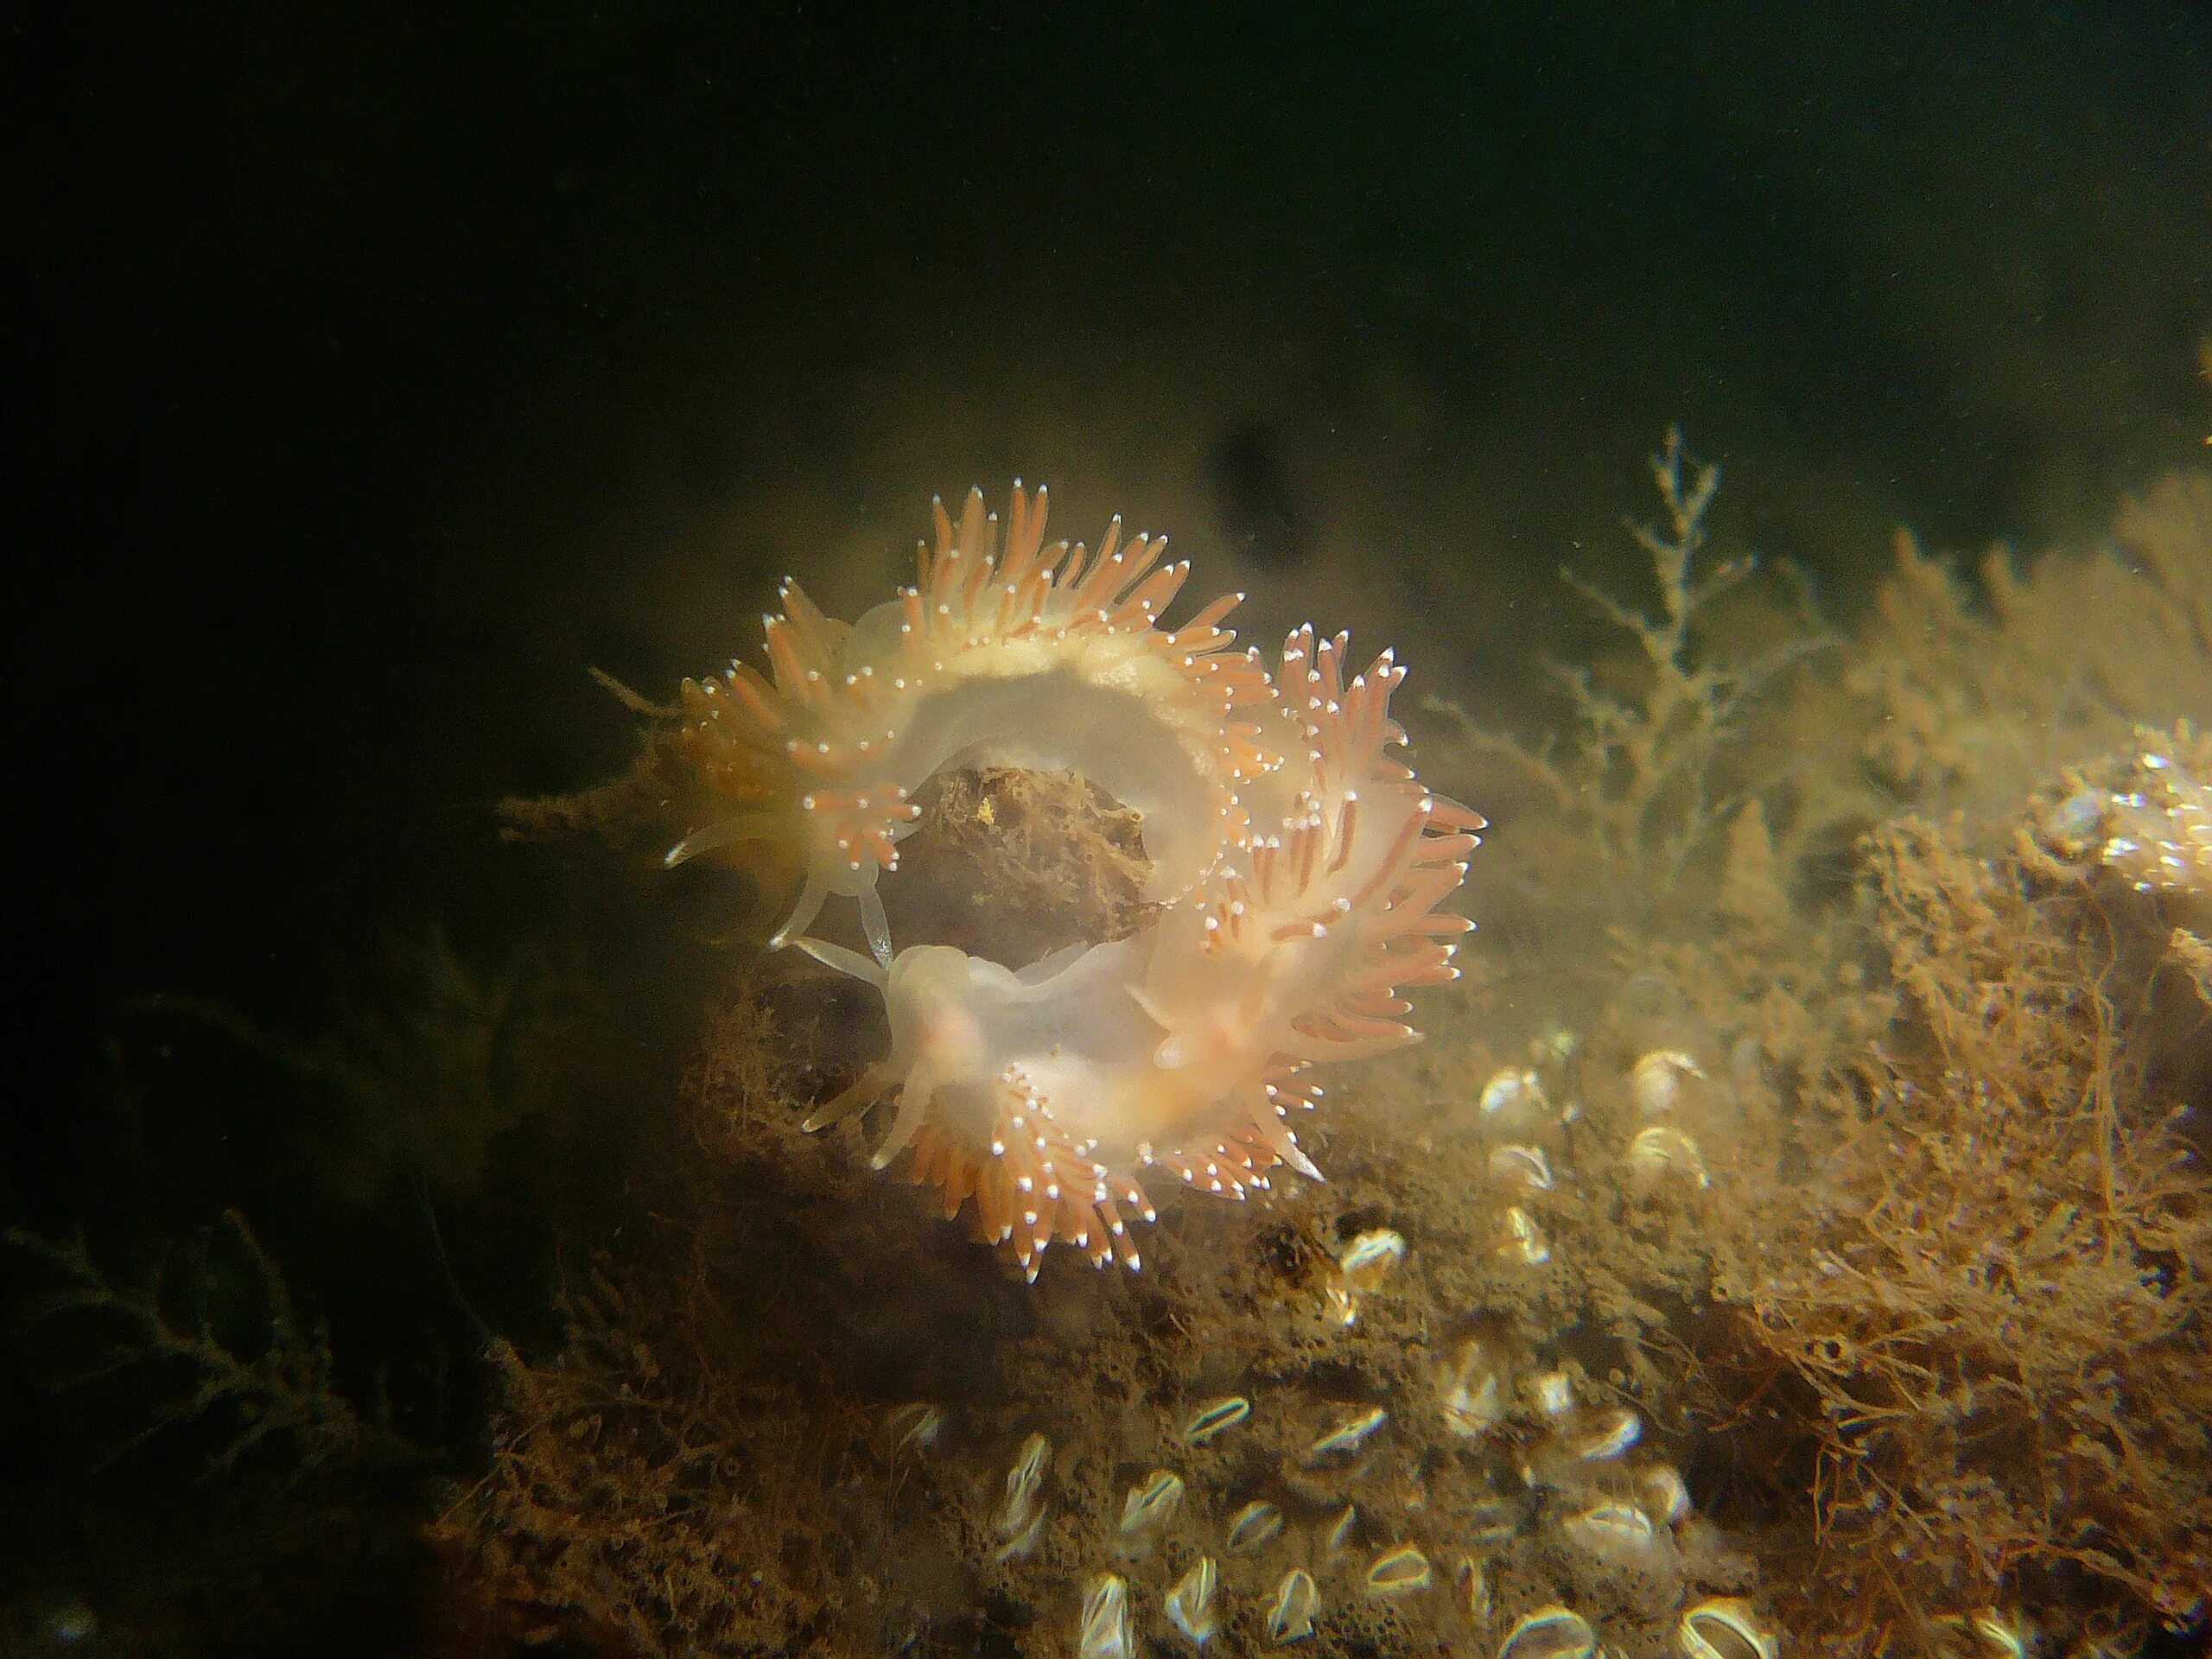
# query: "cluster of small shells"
{"type": "Point", "coordinates": [1577, 1497]}
{"type": "Point", "coordinates": [1662, 1149]}
{"type": "Point", "coordinates": [1588, 1492]}
{"type": "Point", "coordinates": [1516, 1115]}
{"type": "Point", "coordinates": [1567, 1535]}
{"type": "Point", "coordinates": [1504, 1498]}
{"type": "Point", "coordinates": [2155, 833]}
{"type": "Point", "coordinates": [1514, 1112]}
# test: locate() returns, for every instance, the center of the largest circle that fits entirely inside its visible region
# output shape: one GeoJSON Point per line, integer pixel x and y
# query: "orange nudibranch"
{"type": "Point", "coordinates": [1296, 865]}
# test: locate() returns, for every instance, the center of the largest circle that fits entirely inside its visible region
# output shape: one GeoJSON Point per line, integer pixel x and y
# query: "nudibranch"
{"type": "Point", "coordinates": [1297, 869]}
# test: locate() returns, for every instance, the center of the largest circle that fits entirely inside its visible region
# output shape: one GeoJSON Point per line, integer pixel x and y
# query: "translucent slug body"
{"type": "Point", "coordinates": [1297, 866]}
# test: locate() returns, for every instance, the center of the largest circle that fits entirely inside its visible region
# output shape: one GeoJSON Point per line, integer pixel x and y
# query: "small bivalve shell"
{"type": "Point", "coordinates": [2000, 1635]}
{"type": "Point", "coordinates": [1252, 1526]}
{"type": "Point", "coordinates": [1290, 1614]}
{"type": "Point", "coordinates": [2006, 1634]}
{"type": "Point", "coordinates": [1523, 1166]}
{"type": "Point", "coordinates": [2074, 822]}
{"type": "Point", "coordinates": [1022, 1517]}
{"type": "Point", "coordinates": [1215, 1418]}
{"type": "Point", "coordinates": [1656, 1080]}
{"type": "Point", "coordinates": [1474, 1589]}
{"type": "Point", "coordinates": [1338, 1301]}
{"type": "Point", "coordinates": [1023, 1539]}
{"type": "Point", "coordinates": [1493, 1521]}
{"type": "Point", "coordinates": [1027, 1474]}
{"type": "Point", "coordinates": [1341, 1530]}
{"type": "Point", "coordinates": [1105, 1632]}
{"type": "Point", "coordinates": [1152, 1505]}
{"type": "Point", "coordinates": [1551, 1466]}
{"type": "Point", "coordinates": [910, 1428]}
{"type": "Point", "coordinates": [1549, 1633]}
{"type": "Point", "coordinates": [1663, 1492]}
{"type": "Point", "coordinates": [1513, 1095]}
{"type": "Point", "coordinates": [1189, 1604]}
{"type": "Point", "coordinates": [1474, 1400]}
{"type": "Point", "coordinates": [1524, 1240]}
{"type": "Point", "coordinates": [1349, 1435]}
{"type": "Point", "coordinates": [1367, 1261]}
{"type": "Point", "coordinates": [1398, 1572]}
{"type": "Point", "coordinates": [1553, 1392]}
{"type": "Point", "coordinates": [1609, 1433]}
{"type": "Point", "coordinates": [1662, 1150]}
{"type": "Point", "coordinates": [1360, 1270]}
{"type": "Point", "coordinates": [1611, 1529]}
{"type": "Point", "coordinates": [1724, 1627]}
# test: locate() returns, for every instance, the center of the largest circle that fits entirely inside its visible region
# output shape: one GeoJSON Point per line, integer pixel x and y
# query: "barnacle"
{"type": "Point", "coordinates": [1609, 1527]}
{"type": "Point", "coordinates": [1513, 1095]}
{"type": "Point", "coordinates": [1608, 1434]}
{"type": "Point", "coordinates": [912, 1427]}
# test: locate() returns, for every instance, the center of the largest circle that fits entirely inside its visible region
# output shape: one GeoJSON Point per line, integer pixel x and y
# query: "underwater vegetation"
{"type": "Point", "coordinates": [1983, 693]}
{"type": "Point", "coordinates": [240, 1394]}
{"type": "Point", "coordinates": [1988, 1300]}
{"type": "Point", "coordinates": [436, 1059]}
{"type": "Point", "coordinates": [1642, 782]}
{"type": "Point", "coordinates": [215, 1462]}
{"type": "Point", "coordinates": [218, 1485]}
{"type": "Point", "coordinates": [1791, 1234]}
